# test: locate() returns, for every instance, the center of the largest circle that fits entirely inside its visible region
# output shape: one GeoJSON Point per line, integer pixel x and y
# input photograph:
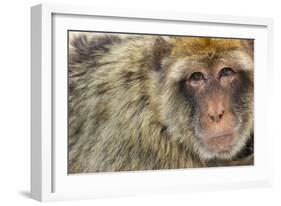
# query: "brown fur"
{"type": "Point", "coordinates": [125, 107]}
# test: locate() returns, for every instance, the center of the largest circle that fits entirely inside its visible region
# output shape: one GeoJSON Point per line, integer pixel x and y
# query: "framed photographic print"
{"type": "Point", "coordinates": [135, 102]}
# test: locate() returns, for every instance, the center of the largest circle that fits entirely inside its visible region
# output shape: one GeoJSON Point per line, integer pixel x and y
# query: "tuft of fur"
{"type": "Point", "coordinates": [125, 111]}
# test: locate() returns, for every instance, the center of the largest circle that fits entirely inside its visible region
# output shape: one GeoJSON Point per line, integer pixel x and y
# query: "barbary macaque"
{"type": "Point", "coordinates": [146, 102]}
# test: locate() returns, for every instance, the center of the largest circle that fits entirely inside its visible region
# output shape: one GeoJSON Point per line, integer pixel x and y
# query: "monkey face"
{"type": "Point", "coordinates": [217, 118]}
{"type": "Point", "coordinates": [218, 96]}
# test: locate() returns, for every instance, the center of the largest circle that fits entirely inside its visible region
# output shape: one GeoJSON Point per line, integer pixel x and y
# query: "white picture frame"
{"type": "Point", "coordinates": [49, 178]}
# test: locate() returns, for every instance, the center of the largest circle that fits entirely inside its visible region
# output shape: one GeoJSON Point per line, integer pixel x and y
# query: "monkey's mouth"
{"type": "Point", "coordinates": [220, 143]}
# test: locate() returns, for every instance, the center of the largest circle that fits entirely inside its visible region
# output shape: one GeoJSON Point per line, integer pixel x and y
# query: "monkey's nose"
{"type": "Point", "coordinates": [216, 116]}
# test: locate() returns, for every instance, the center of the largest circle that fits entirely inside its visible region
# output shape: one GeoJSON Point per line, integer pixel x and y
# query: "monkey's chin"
{"type": "Point", "coordinates": [220, 144]}
{"type": "Point", "coordinates": [224, 146]}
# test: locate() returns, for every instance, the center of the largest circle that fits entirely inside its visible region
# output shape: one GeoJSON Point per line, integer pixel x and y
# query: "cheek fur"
{"type": "Point", "coordinates": [190, 100]}
{"type": "Point", "coordinates": [242, 94]}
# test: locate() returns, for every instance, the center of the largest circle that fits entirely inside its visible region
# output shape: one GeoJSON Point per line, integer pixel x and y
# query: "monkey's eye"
{"type": "Point", "coordinates": [197, 76]}
{"type": "Point", "coordinates": [226, 71]}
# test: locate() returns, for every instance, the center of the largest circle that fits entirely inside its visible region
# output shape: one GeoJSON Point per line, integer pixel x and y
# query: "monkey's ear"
{"type": "Point", "coordinates": [162, 48]}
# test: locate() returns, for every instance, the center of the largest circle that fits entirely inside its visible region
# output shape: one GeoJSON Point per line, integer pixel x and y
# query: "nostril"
{"type": "Point", "coordinates": [212, 117]}
{"type": "Point", "coordinates": [220, 116]}
{"type": "Point", "coordinates": [216, 118]}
